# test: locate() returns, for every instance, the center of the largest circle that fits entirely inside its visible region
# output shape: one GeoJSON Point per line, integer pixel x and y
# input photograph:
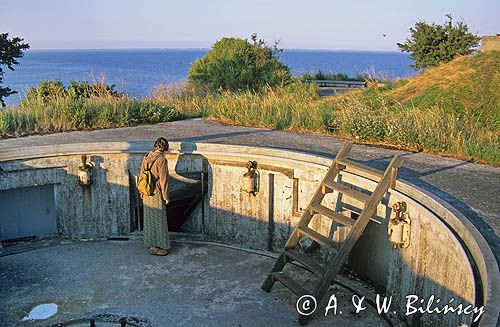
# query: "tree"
{"type": "Point", "coordinates": [10, 50]}
{"type": "Point", "coordinates": [431, 44]}
{"type": "Point", "coordinates": [236, 65]}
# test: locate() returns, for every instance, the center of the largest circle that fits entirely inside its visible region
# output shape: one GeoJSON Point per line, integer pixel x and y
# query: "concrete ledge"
{"type": "Point", "coordinates": [462, 228]}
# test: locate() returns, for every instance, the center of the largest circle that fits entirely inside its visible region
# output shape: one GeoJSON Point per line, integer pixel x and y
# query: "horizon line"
{"type": "Point", "coordinates": [199, 48]}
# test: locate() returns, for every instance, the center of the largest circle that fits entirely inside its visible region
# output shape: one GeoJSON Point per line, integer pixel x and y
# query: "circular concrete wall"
{"type": "Point", "coordinates": [447, 257]}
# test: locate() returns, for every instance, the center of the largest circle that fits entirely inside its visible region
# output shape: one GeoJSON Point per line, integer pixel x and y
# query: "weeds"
{"type": "Point", "coordinates": [52, 108]}
{"type": "Point", "coordinates": [458, 116]}
{"type": "Point", "coordinates": [369, 115]}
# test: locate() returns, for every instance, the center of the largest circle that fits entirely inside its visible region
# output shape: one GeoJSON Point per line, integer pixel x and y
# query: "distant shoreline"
{"type": "Point", "coordinates": [206, 49]}
{"type": "Point", "coordinates": [139, 71]}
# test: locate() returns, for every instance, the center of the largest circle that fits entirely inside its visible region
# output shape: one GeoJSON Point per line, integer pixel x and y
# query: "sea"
{"type": "Point", "coordinates": [137, 72]}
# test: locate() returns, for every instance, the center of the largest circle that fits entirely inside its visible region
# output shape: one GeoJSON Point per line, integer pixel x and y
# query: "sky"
{"type": "Point", "coordinates": [312, 24]}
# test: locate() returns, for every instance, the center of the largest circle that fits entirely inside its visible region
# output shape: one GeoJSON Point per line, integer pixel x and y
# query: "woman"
{"type": "Point", "coordinates": [155, 210]}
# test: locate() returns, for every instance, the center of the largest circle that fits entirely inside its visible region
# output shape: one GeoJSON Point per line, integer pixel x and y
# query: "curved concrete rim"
{"type": "Point", "coordinates": [471, 238]}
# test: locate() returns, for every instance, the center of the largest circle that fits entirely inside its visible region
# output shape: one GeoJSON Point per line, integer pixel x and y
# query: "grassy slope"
{"type": "Point", "coordinates": [467, 85]}
{"type": "Point", "coordinates": [452, 109]}
{"type": "Point", "coordinates": [469, 88]}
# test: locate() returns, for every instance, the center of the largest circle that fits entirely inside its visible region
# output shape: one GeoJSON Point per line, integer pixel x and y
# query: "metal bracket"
{"type": "Point", "coordinates": [399, 228]}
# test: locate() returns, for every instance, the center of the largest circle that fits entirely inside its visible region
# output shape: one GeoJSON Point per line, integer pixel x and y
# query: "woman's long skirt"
{"type": "Point", "coordinates": [155, 222]}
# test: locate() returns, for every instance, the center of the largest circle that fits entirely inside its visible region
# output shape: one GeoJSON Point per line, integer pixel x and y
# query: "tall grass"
{"type": "Point", "coordinates": [367, 116]}
{"type": "Point", "coordinates": [280, 108]}
{"type": "Point", "coordinates": [459, 116]}
{"type": "Point", "coordinates": [64, 111]}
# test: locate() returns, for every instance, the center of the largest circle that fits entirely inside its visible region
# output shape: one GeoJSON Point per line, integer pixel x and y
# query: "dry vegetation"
{"type": "Point", "coordinates": [52, 108]}
{"type": "Point", "coordinates": [453, 109]}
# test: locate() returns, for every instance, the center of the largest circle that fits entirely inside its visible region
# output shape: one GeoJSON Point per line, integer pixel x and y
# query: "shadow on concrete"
{"type": "Point", "coordinates": [221, 225]}
{"type": "Point", "coordinates": [216, 136]}
{"type": "Point", "coordinates": [415, 178]}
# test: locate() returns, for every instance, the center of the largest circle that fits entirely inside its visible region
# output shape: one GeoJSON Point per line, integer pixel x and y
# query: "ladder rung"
{"type": "Point", "coordinates": [358, 212]}
{"type": "Point", "coordinates": [341, 251]}
{"type": "Point", "coordinates": [347, 190]}
{"type": "Point", "coordinates": [377, 175]}
{"type": "Point", "coordinates": [335, 216]}
{"type": "Point", "coordinates": [309, 262]}
{"type": "Point", "coordinates": [289, 283]}
{"type": "Point", "coordinates": [317, 237]}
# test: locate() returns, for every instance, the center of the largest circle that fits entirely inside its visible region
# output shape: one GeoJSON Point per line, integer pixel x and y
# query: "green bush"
{"type": "Point", "coordinates": [239, 65]}
{"type": "Point", "coordinates": [86, 90]}
{"type": "Point", "coordinates": [53, 91]}
{"type": "Point", "coordinates": [46, 91]}
{"type": "Point", "coordinates": [51, 107]}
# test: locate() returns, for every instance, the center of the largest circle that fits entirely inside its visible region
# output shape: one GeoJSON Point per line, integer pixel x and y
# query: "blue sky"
{"type": "Point", "coordinates": [313, 24]}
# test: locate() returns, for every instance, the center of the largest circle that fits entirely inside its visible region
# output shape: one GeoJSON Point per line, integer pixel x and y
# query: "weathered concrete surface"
{"type": "Point", "coordinates": [99, 211]}
{"type": "Point", "coordinates": [195, 285]}
{"type": "Point", "coordinates": [287, 180]}
{"type": "Point", "coordinates": [466, 186]}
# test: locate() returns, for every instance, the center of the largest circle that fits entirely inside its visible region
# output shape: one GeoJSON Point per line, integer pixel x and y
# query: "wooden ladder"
{"type": "Point", "coordinates": [357, 226]}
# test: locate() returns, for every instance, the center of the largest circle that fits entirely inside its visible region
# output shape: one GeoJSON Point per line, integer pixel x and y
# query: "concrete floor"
{"type": "Point", "coordinates": [195, 285]}
{"type": "Point", "coordinates": [466, 186]}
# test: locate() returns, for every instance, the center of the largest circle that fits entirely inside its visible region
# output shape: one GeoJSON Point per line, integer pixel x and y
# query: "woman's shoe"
{"type": "Point", "coordinates": [157, 251]}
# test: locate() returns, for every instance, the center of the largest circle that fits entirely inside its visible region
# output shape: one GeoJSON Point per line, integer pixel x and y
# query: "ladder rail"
{"type": "Point", "coordinates": [357, 226]}
{"type": "Point", "coordinates": [356, 231]}
{"type": "Point", "coordinates": [318, 196]}
{"type": "Point", "coordinates": [305, 218]}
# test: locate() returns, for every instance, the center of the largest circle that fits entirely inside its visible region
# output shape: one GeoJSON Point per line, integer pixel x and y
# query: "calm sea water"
{"type": "Point", "coordinates": [137, 72]}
